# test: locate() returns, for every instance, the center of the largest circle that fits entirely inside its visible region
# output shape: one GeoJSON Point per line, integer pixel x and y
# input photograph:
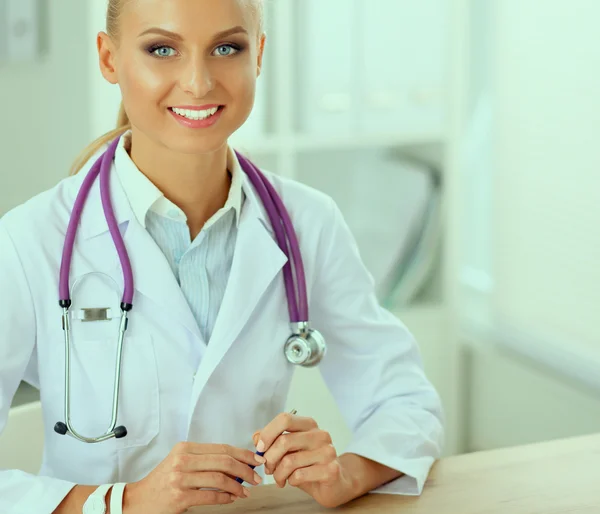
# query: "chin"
{"type": "Point", "coordinates": [197, 143]}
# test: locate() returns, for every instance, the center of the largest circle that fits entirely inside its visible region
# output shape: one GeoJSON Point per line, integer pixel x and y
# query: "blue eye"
{"type": "Point", "coordinates": [162, 51]}
{"type": "Point", "coordinates": [226, 50]}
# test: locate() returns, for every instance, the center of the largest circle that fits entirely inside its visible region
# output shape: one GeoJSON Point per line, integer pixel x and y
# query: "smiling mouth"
{"type": "Point", "coordinates": [197, 114]}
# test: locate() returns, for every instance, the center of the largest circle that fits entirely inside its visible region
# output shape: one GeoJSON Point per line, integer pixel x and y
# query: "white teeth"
{"type": "Point", "coordinates": [195, 115]}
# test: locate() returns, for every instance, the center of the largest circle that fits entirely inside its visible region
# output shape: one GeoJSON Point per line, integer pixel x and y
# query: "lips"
{"type": "Point", "coordinates": [197, 117]}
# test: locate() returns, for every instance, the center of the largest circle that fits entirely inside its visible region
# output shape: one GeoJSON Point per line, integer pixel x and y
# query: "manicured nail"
{"type": "Point", "coordinates": [260, 446]}
{"type": "Point", "coordinates": [257, 478]}
{"type": "Point", "coordinates": [233, 497]}
{"type": "Point", "coordinates": [246, 492]}
{"type": "Point", "coordinates": [259, 459]}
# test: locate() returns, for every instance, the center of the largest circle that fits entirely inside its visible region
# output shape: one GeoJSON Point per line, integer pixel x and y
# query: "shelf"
{"type": "Point", "coordinates": [304, 143]}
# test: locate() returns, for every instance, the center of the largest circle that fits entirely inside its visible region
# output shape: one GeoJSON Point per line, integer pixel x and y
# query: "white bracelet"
{"type": "Point", "coordinates": [116, 498]}
{"type": "Point", "coordinates": [96, 502]}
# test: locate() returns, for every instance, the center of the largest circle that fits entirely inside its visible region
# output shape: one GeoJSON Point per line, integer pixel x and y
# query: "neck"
{"type": "Point", "coordinates": [197, 183]}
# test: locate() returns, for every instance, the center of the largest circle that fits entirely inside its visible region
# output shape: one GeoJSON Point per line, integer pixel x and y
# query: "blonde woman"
{"type": "Point", "coordinates": [178, 287]}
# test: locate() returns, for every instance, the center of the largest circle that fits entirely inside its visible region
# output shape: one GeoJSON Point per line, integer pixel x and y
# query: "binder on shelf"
{"type": "Point", "coordinates": [326, 67]}
{"type": "Point", "coordinates": [402, 65]}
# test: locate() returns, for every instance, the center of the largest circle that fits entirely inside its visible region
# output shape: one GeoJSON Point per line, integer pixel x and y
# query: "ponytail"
{"type": "Point", "coordinates": [123, 125]}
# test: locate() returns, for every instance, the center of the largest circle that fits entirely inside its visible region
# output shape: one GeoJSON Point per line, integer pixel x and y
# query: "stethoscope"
{"type": "Point", "coordinates": [305, 347]}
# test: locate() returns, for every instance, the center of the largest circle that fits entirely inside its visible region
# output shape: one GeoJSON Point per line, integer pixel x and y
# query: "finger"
{"type": "Point", "coordinates": [197, 498]}
{"type": "Point", "coordinates": [284, 422]}
{"type": "Point", "coordinates": [302, 459]}
{"type": "Point", "coordinates": [212, 480]}
{"type": "Point", "coordinates": [223, 463]}
{"type": "Point", "coordinates": [293, 442]}
{"type": "Point", "coordinates": [241, 454]}
{"type": "Point", "coordinates": [326, 474]}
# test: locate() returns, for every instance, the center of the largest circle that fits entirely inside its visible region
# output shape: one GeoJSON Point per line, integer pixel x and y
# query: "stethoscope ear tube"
{"type": "Point", "coordinates": [113, 431]}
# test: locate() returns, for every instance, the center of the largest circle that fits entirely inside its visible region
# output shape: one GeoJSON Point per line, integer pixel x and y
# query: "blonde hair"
{"type": "Point", "coordinates": [123, 124]}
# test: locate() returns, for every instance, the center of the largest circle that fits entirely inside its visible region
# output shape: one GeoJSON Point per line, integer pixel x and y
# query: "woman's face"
{"type": "Point", "coordinates": [178, 61]}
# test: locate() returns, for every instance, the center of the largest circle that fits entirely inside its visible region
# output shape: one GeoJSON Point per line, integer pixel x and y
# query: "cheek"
{"type": "Point", "coordinates": [142, 85]}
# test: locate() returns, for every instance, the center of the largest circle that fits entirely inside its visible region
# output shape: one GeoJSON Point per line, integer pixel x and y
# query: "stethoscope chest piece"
{"type": "Point", "coordinates": [305, 347]}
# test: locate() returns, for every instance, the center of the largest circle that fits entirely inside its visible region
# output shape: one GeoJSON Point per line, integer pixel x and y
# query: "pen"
{"type": "Point", "coordinates": [260, 454]}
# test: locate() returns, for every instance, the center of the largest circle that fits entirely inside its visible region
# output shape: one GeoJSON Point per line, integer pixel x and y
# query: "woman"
{"type": "Point", "coordinates": [204, 375]}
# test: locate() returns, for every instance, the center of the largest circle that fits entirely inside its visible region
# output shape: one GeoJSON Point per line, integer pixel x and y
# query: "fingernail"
{"type": "Point", "coordinates": [257, 478]}
{"type": "Point", "coordinates": [233, 497]}
{"type": "Point", "coordinates": [260, 446]}
{"type": "Point", "coordinates": [246, 492]}
{"type": "Point", "coordinates": [259, 459]}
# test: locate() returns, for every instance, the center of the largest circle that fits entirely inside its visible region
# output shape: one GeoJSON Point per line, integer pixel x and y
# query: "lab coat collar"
{"type": "Point", "coordinates": [144, 196]}
{"type": "Point", "coordinates": [93, 219]}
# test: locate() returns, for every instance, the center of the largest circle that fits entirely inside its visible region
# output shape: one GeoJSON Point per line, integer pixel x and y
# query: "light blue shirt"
{"type": "Point", "coordinates": [201, 266]}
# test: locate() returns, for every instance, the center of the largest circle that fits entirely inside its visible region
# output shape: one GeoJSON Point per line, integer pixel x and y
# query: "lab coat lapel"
{"type": "Point", "coordinates": [154, 278]}
{"type": "Point", "coordinates": [152, 275]}
{"type": "Point", "coordinates": [257, 261]}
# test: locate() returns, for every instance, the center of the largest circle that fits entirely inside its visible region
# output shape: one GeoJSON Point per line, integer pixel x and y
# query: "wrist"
{"type": "Point", "coordinates": [351, 475]}
{"type": "Point", "coordinates": [364, 475]}
{"type": "Point", "coordinates": [129, 501]}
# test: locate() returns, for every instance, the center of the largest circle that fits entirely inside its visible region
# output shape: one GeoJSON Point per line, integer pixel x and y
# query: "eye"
{"type": "Point", "coordinates": [226, 50]}
{"type": "Point", "coordinates": [162, 51]}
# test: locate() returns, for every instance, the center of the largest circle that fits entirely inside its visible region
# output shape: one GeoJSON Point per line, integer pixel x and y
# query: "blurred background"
{"type": "Point", "coordinates": [459, 138]}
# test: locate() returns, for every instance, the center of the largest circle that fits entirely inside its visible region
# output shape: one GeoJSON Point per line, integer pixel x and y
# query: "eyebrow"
{"type": "Point", "coordinates": [177, 37]}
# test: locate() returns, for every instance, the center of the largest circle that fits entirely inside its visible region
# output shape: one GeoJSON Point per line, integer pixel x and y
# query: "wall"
{"type": "Point", "coordinates": [45, 108]}
{"type": "Point", "coordinates": [533, 373]}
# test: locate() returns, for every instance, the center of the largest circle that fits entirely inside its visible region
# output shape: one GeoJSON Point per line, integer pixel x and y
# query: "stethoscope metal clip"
{"type": "Point", "coordinates": [305, 347]}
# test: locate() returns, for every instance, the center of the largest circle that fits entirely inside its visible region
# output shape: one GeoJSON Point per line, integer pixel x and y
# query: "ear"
{"type": "Point", "coordinates": [261, 50]}
{"type": "Point", "coordinates": [106, 56]}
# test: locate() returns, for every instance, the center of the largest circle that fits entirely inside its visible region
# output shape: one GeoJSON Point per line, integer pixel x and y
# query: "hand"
{"type": "Point", "coordinates": [301, 454]}
{"type": "Point", "coordinates": [175, 484]}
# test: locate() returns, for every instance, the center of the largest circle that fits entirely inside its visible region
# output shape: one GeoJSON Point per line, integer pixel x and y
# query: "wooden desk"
{"type": "Point", "coordinates": [556, 477]}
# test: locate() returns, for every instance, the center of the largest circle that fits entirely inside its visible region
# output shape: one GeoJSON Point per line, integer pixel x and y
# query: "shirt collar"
{"type": "Point", "coordinates": [144, 196]}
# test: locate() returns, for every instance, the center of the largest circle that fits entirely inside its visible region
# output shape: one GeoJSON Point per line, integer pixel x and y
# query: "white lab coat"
{"type": "Point", "coordinates": [175, 387]}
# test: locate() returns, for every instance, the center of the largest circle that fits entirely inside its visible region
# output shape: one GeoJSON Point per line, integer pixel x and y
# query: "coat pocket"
{"type": "Point", "coordinates": [92, 385]}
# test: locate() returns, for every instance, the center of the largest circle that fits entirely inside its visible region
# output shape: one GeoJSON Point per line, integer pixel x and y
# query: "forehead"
{"type": "Point", "coordinates": [193, 19]}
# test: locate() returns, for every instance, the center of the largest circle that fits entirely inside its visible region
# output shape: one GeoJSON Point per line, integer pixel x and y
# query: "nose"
{"type": "Point", "coordinates": [196, 78]}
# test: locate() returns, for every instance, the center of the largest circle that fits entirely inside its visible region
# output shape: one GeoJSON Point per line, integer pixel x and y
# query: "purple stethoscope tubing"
{"type": "Point", "coordinates": [284, 233]}
{"type": "Point", "coordinates": [278, 215]}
